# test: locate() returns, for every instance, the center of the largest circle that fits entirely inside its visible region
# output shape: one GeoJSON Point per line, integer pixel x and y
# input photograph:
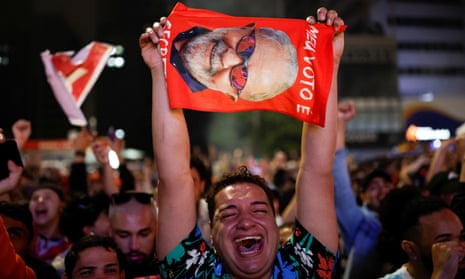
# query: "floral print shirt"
{"type": "Point", "coordinates": [302, 257]}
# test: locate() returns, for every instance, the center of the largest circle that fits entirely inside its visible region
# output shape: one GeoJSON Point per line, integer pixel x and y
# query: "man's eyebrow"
{"type": "Point", "coordinates": [112, 265]}
{"type": "Point", "coordinates": [145, 230]}
{"type": "Point", "coordinates": [442, 236]}
{"type": "Point", "coordinates": [84, 268]}
{"type": "Point", "coordinates": [230, 206]}
{"type": "Point", "coordinates": [260, 203]}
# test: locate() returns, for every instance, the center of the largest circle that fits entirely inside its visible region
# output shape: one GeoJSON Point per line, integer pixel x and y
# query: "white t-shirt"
{"type": "Point", "coordinates": [401, 273]}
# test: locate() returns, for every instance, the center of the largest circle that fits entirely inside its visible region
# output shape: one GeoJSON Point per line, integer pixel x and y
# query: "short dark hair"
{"type": "Point", "coordinates": [51, 186]}
{"type": "Point", "coordinates": [18, 211]}
{"type": "Point", "coordinates": [90, 241]}
{"type": "Point", "coordinates": [81, 211]}
{"type": "Point", "coordinates": [399, 214]}
{"type": "Point", "coordinates": [418, 207]}
{"type": "Point", "coordinates": [374, 174]}
{"type": "Point", "coordinates": [240, 176]}
{"type": "Point", "coordinates": [203, 170]}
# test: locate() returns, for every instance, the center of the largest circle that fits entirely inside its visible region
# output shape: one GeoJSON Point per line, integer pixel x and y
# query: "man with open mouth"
{"type": "Point", "coordinates": [245, 235]}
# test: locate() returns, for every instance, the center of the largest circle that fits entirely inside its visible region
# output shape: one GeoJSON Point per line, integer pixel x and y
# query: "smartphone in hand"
{"type": "Point", "coordinates": [9, 151]}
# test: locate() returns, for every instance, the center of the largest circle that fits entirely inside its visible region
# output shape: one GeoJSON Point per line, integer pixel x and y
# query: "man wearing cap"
{"type": "Point", "coordinates": [46, 204]}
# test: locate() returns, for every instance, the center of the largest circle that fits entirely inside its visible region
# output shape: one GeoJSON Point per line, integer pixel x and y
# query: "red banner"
{"type": "Point", "coordinates": [220, 63]}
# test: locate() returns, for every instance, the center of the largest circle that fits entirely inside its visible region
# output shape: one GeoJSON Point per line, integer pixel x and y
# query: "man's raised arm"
{"type": "Point", "coordinates": [315, 188]}
{"type": "Point", "coordinates": [176, 200]}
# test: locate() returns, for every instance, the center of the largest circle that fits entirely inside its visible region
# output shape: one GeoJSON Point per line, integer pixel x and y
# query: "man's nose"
{"type": "Point", "coordinates": [135, 243]}
{"type": "Point", "coordinates": [245, 222]}
{"type": "Point", "coordinates": [231, 58]}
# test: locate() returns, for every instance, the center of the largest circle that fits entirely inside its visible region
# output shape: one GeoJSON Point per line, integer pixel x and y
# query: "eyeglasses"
{"type": "Point", "coordinates": [124, 197]}
{"type": "Point", "coordinates": [239, 73]}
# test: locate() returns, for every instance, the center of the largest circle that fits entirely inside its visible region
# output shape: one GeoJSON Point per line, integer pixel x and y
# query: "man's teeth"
{"type": "Point", "coordinates": [248, 238]}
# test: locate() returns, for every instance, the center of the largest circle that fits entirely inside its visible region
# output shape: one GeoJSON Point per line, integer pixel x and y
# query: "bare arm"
{"type": "Point", "coordinates": [315, 187]}
{"type": "Point", "coordinates": [101, 151]}
{"type": "Point", "coordinates": [439, 160]}
{"type": "Point", "coordinates": [177, 205]}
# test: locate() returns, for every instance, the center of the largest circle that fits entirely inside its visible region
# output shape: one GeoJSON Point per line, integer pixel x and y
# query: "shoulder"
{"type": "Point", "coordinates": [305, 255]}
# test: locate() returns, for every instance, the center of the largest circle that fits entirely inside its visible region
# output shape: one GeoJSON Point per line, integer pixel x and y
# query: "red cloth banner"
{"type": "Point", "coordinates": [71, 76]}
{"type": "Point", "coordinates": [220, 63]}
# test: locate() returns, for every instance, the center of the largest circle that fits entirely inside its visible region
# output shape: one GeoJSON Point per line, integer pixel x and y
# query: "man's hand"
{"type": "Point", "coordinates": [331, 18]}
{"type": "Point", "coordinates": [83, 140]}
{"type": "Point", "coordinates": [100, 151]}
{"type": "Point", "coordinates": [21, 132]}
{"type": "Point", "coordinates": [149, 44]}
{"type": "Point", "coordinates": [9, 183]}
{"type": "Point", "coordinates": [446, 257]}
{"type": "Point", "coordinates": [346, 110]}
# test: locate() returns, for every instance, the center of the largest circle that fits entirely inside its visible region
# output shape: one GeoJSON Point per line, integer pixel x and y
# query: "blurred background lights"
{"type": "Point", "coordinates": [119, 133]}
{"type": "Point", "coordinates": [113, 159]}
{"type": "Point", "coordinates": [116, 59]}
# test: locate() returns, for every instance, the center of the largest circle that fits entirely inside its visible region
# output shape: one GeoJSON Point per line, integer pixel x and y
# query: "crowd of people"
{"type": "Point", "coordinates": [187, 215]}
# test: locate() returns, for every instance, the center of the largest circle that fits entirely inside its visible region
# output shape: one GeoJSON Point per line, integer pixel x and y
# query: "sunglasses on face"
{"type": "Point", "coordinates": [121, 198]}
{"type": "Point", "coordinates": [239, 73]}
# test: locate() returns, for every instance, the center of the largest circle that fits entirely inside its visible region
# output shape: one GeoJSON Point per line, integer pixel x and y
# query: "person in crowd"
{"type": "Point", "coordinates": [101, 151]}
{"type": "Point", "coordinates": [10, 169]}
{"type": "Point", "coordinates": [133, 221]}
{"type": "Point", "coordinates": [284, 181]}
{"type": "Point", "coordinates": [46, 204]}
{"type": "Point", "coordinates": [391, 207]}
{"type": "Point", "coordinates": [13, 266]}
{"type": "Point", "coordinates": [202, 180]}
{"type": "Point", "coordinates": [82, 215]}
{"type": "Point", "coordinates": [244, 231]}
{"type": "Point", "coordinates": [93, 257]}
{"type": "Point", "coordinates": [447, 157]}
{"type": "Point", "coordinates": [18, 222]}
{"type": "Point", "coordinates": [14, 172]}
{"type": "Point", "coordinates": [359, 226]}
{"type": "Point", "coordinates": [78, 175]}
{"type": "Point", "coordinates": [431, 236]}
{"type": "Point", "coordinates": [445, 185]}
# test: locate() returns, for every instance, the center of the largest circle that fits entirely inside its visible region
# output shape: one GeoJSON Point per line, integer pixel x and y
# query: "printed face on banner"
{"type": "Point", "coordinates": [245, 62]}
{"type": "Point", "coordinates": [220, 63]}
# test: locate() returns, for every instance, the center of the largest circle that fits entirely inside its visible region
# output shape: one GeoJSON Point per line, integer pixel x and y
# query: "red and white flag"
{"type": "Point", "coordinates": [71, 77]}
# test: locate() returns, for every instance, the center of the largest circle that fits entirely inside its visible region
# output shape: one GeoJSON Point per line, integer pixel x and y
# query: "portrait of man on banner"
{"type": "Point", "coordinates": [223, 59]}
{"type": "Point", "coordinates": [220, 63]}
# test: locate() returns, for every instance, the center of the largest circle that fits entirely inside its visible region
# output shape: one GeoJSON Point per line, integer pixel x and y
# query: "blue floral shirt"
{"type": "Point", "coordinates": [302, 257]}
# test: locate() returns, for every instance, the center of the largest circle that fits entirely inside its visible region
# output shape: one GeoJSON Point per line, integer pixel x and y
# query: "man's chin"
{"type": "Point", "coordinates": [136, 261]}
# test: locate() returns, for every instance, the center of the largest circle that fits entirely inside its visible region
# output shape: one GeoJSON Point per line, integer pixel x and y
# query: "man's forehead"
{"type": "Point", "coordinates": [233, 31]}
{"type": "Point", "coordinates": [241, 191]}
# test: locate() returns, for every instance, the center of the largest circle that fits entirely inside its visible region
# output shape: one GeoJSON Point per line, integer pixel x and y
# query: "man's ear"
{"type": "Point", "coordinates": [409, 248]}
{"type": "Point", "coordinates": [250, 26]}
{"type": "Point", "coordinates": [122, 275]}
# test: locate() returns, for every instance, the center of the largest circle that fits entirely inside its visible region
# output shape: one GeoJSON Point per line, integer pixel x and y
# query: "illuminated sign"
{"type": "Point", "coordinates": [415, 133]}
